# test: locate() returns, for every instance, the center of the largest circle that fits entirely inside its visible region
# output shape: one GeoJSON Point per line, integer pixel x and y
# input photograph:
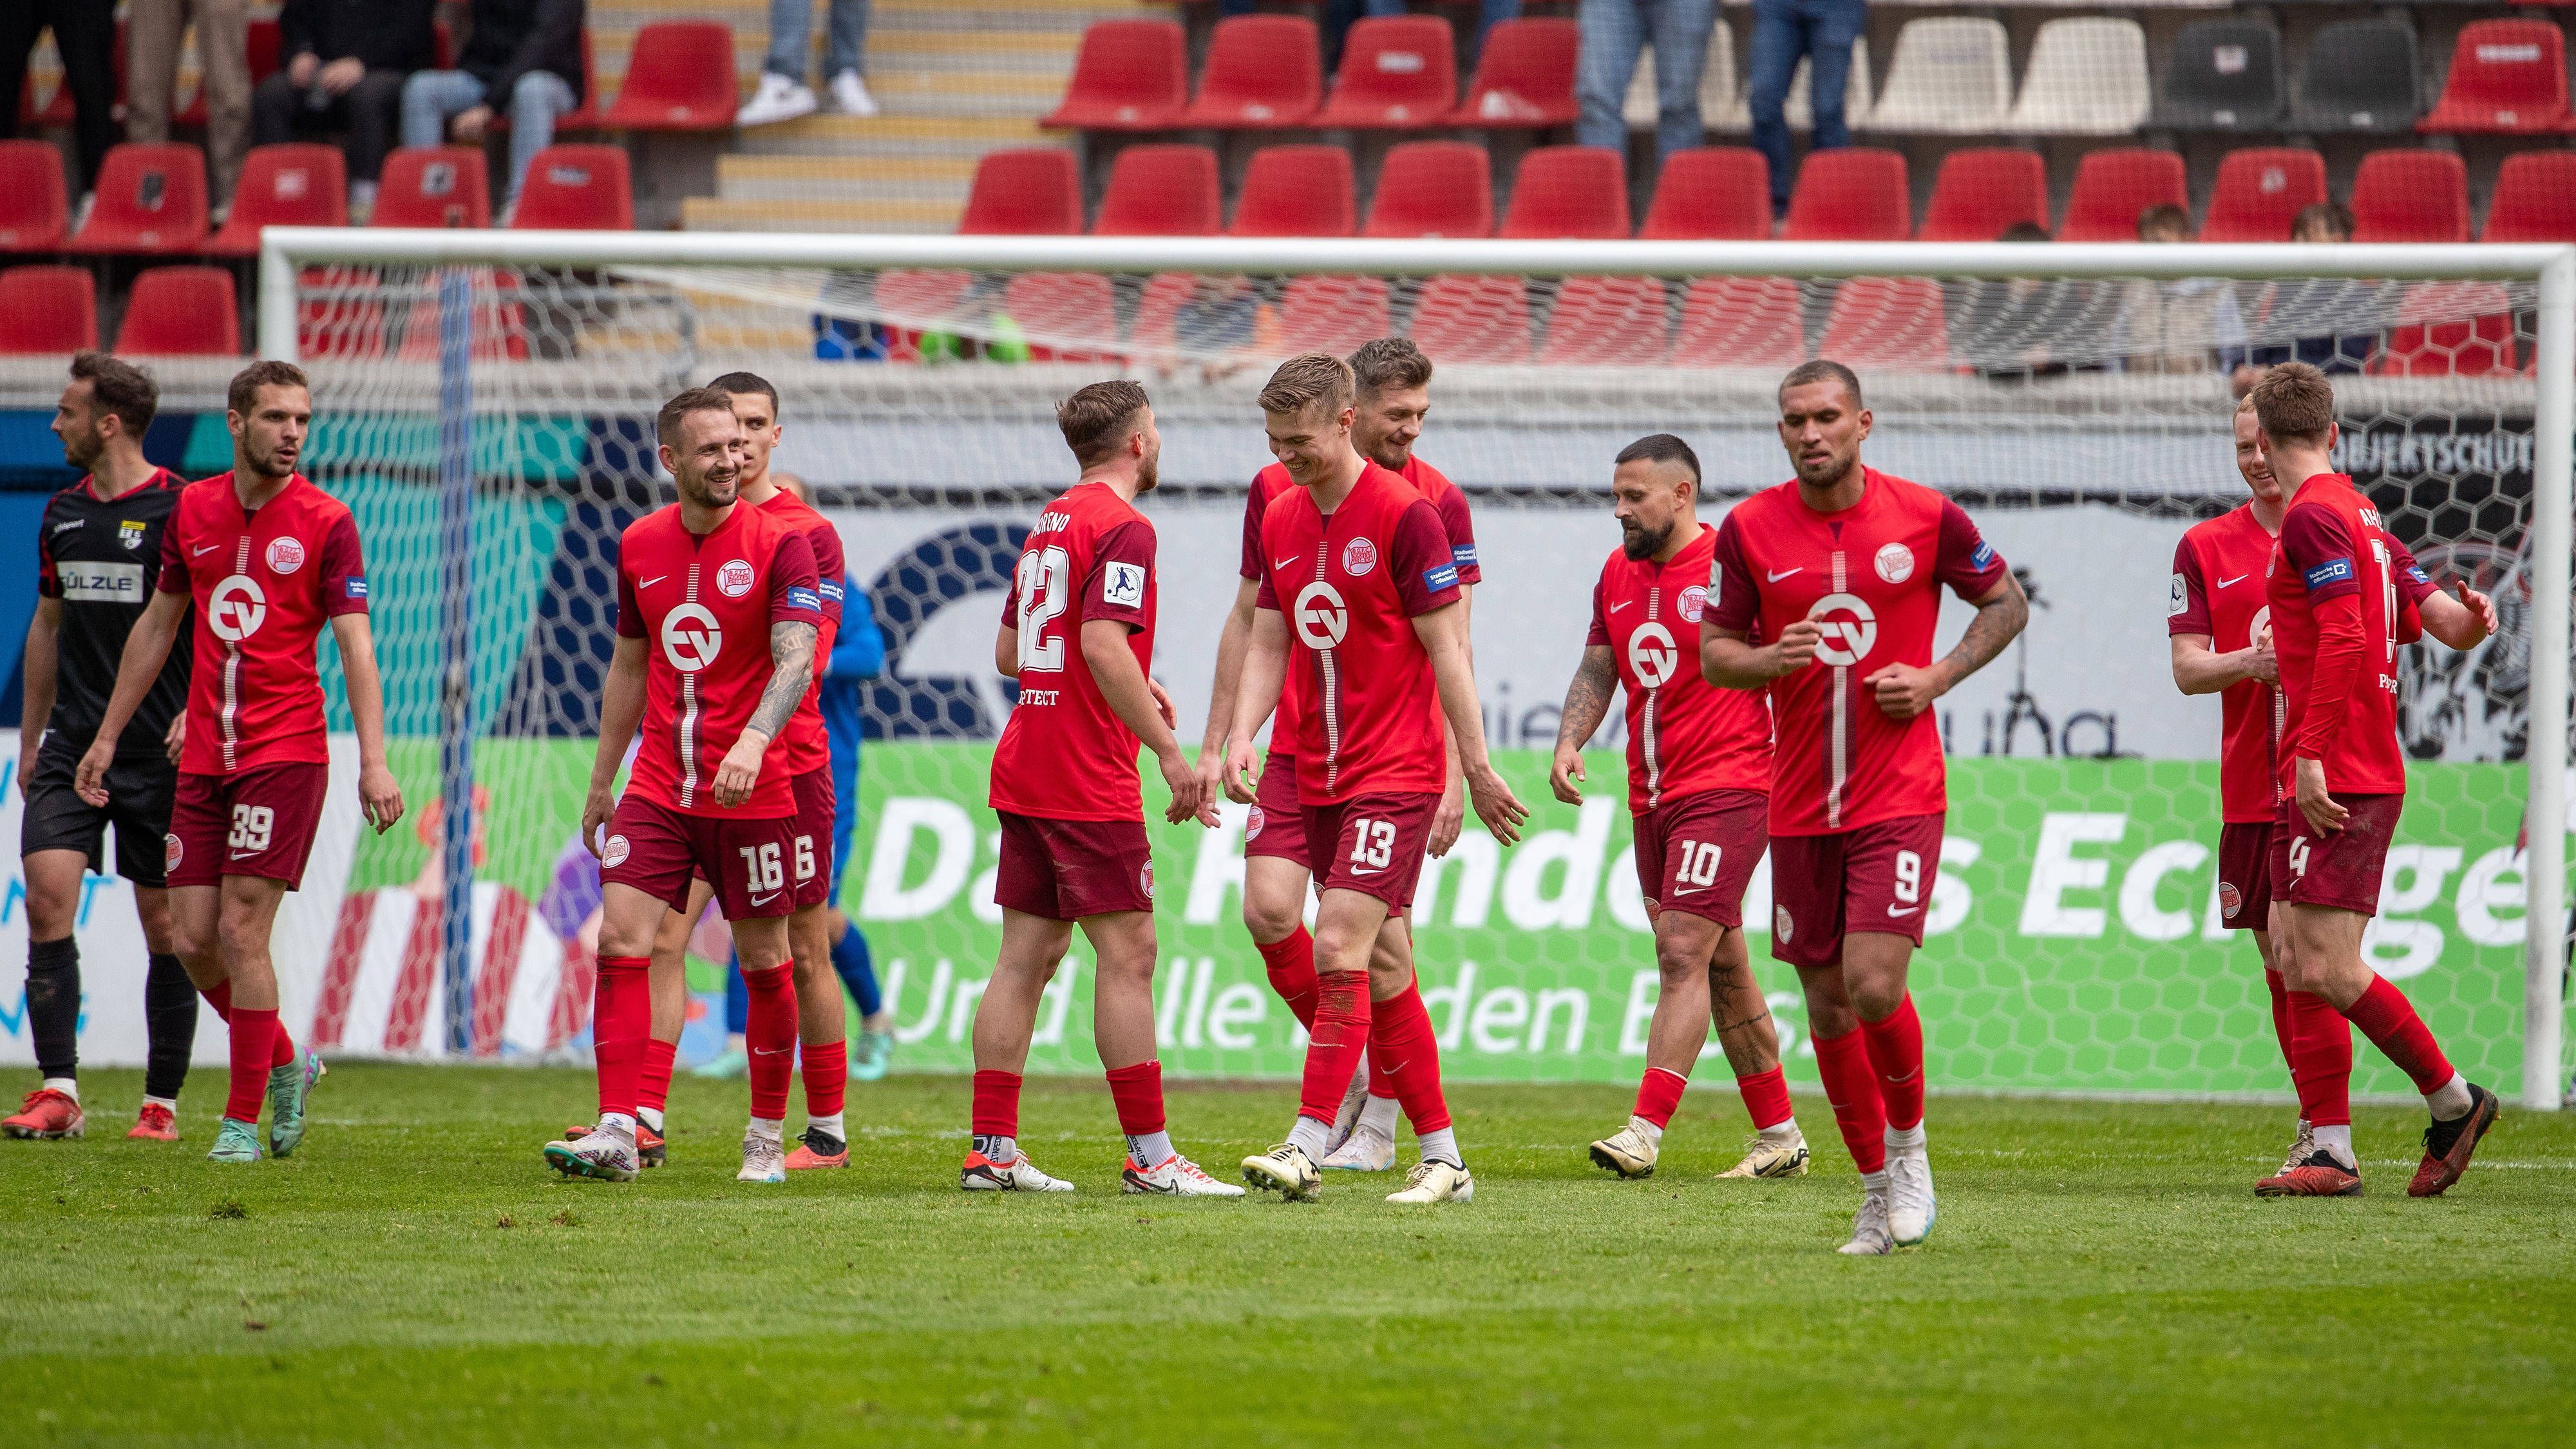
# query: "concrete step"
{"type": "Point", "coordinates": [713, 213]}
{"type": "Point", "coordinates": [845, 136]}
{"type": "Point", "coordinates": [794, 180]}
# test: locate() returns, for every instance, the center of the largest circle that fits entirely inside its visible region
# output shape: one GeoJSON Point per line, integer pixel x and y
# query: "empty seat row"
{"type": "Point", "coordinates": [2506, 76]}
{"type": "Point", "coordinates": [170, 312]}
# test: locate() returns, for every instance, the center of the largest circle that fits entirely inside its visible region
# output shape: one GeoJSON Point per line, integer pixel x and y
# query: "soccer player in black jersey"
{"type": "Point", "coordinates": [96, 557]}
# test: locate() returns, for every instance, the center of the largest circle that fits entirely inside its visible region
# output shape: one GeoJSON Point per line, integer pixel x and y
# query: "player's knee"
{"type": "Point", "coordinates": [1271, 920]}
{"type": "Point", "coordinates": [1680, 962]}
{"type": "Point", "coordinates": [51, 912]}
{"type": "Point", "coordinates": [241, 932]}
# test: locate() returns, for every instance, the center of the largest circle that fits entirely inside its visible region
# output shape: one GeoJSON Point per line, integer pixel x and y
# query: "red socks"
{"type": "Point", "coordinates": [1659, 1094]}
{"type": "Point", "coordinates": [997, 1104]}
{"type": "Point", "coordinates": [621, 1021]}
{"type": "Point", "coordinates": [1404, 1047]}
{"type": "Point", "coordinates": [1341, 1032]}
{"type": "Point", "coordinates": [1137, 1092]}
{"type": "Point", "coordinates": [1290, 960]}
{"type": "Point", "coordinates": [1896, 1055]}
{"type": "Point", "coordinates": [2321, 1060]}
{"type": "Point", "coordinates": [653, 1088]}
{"type": "Point", "coordinates": [770, 1037]}
{"type": "Point", "coordinates": [254, 1035]}
{"type": "Point", "coordinates": [827, 1078]}
{"type": "Point", "coordinates": [2275, 983]}
{"type": "Point", "coordinates": [1766, 1098]}
{"type": "Point", "coordinates": [1851, 1086]}
{"type": "Point", "coordinates": [220, 997]}
{"type": "Point", "coordinates": [2386, 1017]}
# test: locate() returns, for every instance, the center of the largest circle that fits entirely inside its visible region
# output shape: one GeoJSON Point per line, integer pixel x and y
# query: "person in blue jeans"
{"type": "Point", "coordinates": [1613, 32]}
{"type": "Point", "coordinates": [1783, 31]}
{"type": "Point", "coordinates": [523, 56]}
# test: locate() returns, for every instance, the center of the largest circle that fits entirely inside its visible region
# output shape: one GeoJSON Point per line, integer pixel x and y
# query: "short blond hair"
{"type": "Point", "coordinates": [2294, 403]}
{"type": "Point", "coordinates": [1305, 380]}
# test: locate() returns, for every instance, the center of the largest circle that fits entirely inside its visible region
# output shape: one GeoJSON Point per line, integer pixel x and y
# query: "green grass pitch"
{"type": "Point", "coordinates": [2100, 1274]}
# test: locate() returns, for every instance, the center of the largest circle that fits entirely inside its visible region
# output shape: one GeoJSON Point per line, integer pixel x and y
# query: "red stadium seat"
{"type": "Point", "coordinates": [181, 312]}
{"type": "Point", "coordinates": [1524, 77]}
{"type": "Point", "coordinates": [1473, 319]}
{"type": "Point", "coordinates": [150, 199]}
{"type": "Point", "coordinates": [1606, 322]}
{"type": "Point", "coordinates": [35, 208]}
{"type": "Point", "coordinates": [670, 85]}
{"type": "Point", "coordinates": [2410, 196]}
{"type": "Point", "coordinates": [262, 42]}
{"type": "Point", "coordinates": [585, 117]}
{"type": "Point", "coordinates": [905, 303]}
{"type": "Point", "coordinates": [496, 322]}
{"type": "Point", "coordinates": [1333, 314]}
{"type": "Point", "coordinates": [340, 313]}
{"type": "Point", "coordinates": [2260, 191]}
{"type": "Point", "coordinates": [1032, 191]}
{"type": "Point", "coordinates": [1711, 193]}
{"type": "Point", "coordinates": [47, 310]}
{"type": "Point", "coordinates": [1130, 75]}
{"type": "Point", "coordinates": [1262, 72]}
{"type": "Point", "coordinates": [284, 185]}
{"type": "Point", "coordinates": [1162, 191]}
{"type": "Point", "coordinates": [576, 188]}
{"type": "Point", "coordinates": [1066, 316]}
{"type": "Point", "coordinates": [2507, 76]}
{"type": "Point", "coordinates": [1983, 191]}
{"type": "Point", "coordinates": [437, 186]}
{"type": "Point", "coordinates": [2113, 187]}
{"type": "Point", "coordinates": [1433, 189]}
{"type": "Point", "coordinates": [2534, 199]}
{"type": "Point", "coordinates": [1894, 323]}
{"type": "Point", "coordinates": [1858, 194]}
{"type": "Point", "coordinates": [2450, 329]}
{"type": "Point", "coordinates": [1741, 322]}
{"type": "Point", "coordinates": [1296, 191]}
{"type": "Point", "coordinates": [1399, 73]}
{"type": "Point", "coordinates": [1570, 192]}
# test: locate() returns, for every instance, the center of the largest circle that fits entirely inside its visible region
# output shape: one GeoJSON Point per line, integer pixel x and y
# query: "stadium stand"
{"type": "Point", "coordinates": [577, 187]}
{"type": "Point", "coordinates": [1334, 314]}
{"type": "Point", "coordinates": [1714, 193]}
{"type": "Point", "coordinates": [2087, 77]}
{"type": "Point", "coordinates": [1162, 191]}
{"type": "Point", "coordinates": [2534, 200]}
{"type": "Point", "coordinates": [1982, 191]}
{"type": "Point", "coordinates": [1569, 192]}
{"type": "Point", "coordinates": [2259, 190]}
{"type": "Point", "coordinates": [1297, 191]}
{"type": "Point", "coordinates": [1132, 75]}
{"type": "Point", "coordinates": [285, 185]}
{"type": "Point", "coordinates": [2223, 75]}
{"type": "Point", "coordinates": [443, 186]}
{"type": "Point", "coordinates": [668, 85]}
{"type": "Point", "coordinates": [1030, 192]}
{"type": "Point", "coordinates": [2112, 187]}
{"type": "Point", "coordinates": [1600, 321]}
{"type": "Point", "coordinates": [1886, 322]}
{"type": "Point", "coordinates": [181, 312]}
{"type": "Point", "coordinates": [35, 207]}
{"type": "Point", "coordinates": [2507, 76]}
{"type": "Point", "coordinates": [1948, 74]}
{"type": "Point", "coordinates": [1433, 188]}
{"type": "Point", "coordinates": [1852, 195]}
{"type": "Point", "coordinates": [2410, 196]}
{"type": "Point", "coordinates": [1524, 77]}
{"type": "Point", "coordinates": [47, 309]}
{"type": "Point", "coordinates": [151, 199]}
{"type": "Point", "coordinates": [1473, 319]}
{"type": "Point", "coordinates": [1741, 322]}
{"type": "Point", "coordinates": [2361, 75]}
{"type": "Point", "coordinates": [1263, 72]}
{"type": "Point", "coordinates": [1398, 73]}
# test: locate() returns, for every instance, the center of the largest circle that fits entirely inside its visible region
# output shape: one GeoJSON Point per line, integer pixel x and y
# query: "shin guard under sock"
{"type": "Point", "coordinates": [2320, 1060]}
{"type": "Point", "coordinates": [827, 1078]}
{"type": "Point", "coordinates": [1851, 1087]}
{"type": "Point", "coordinates": [170, 1022]}
{"type": "Point", "coordinates": [53, 1005]}
{"type": "Point", "coordinates": [1340, 1033]}
{"type": "Point", "coordinates": [1659, 1095]}
{"type": "Point", "coordinates": [1403, 1045]}
{"type": "Point", "coordinates": [2386, 1017]}
{"type": "Point", "coordinates": [621, 1021]}
{"type": "Point", "coordinates": [1896, 1055]}
{"type": "Point", "coordinates": [769, 1036]}
{"type": "Point", "coordinates": [1290, 963]}
{"type": "Point", "coordinates": [254, 1037]}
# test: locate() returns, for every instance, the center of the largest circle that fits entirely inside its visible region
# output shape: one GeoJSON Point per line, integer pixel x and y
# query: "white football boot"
{"type": "Point", "coordinates": [606, 1153]}
{"type": "Point", "coordinates": [1869, 1237]}
{"type": "Point", "coordinates": [1766, 1158]}
{"type": "Point", "coordinates": [764, 1159]}
{"type": "Point", "coordinates": [983, 1174]}
{"type": "Point", "coordinates": [1287, 1171]}
{"type": "Point", "coordinates": [1366, 1150]}
{"type": "Point", "coordinates": [1630, 1151]}
{"type": "Point", "coordinates": [1909, 1195]}
{"type": "Point", "coordinates": [1174, 1176]}
{"type": "Point", "coordinates": [1436, 1182]}
{"type": "Point", "coordinates": [1347, 1118]}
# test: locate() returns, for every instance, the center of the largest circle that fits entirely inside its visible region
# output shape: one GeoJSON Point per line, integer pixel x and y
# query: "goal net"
{"type": "Point", "coordinates": [2075, 400]}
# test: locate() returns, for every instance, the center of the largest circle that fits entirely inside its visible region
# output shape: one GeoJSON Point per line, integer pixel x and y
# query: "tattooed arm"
{"type": "Point", "coordinates": [1587, 703]}
{"type": "Point", "coordinates": [791, 657]}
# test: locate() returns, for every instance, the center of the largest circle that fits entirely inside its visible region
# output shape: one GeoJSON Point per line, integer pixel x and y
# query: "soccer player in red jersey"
{"type": "Point", "coordinates": [1839, 572]}
{"type": "Point", "coordinates": [717, 617]}
{"type": "Point", "coordinates": [1699, 780]}
{"type": "Point", "coordinates": [1078, 635]}
{"type": "Point", "coordinates": [267, 560]}
{"type": "Point", "coordinates": [1392, 399]}
{"type": "Point", "coordinates": [2339, 584]}
{"type": "Point", "coordinates": [1360, 561]}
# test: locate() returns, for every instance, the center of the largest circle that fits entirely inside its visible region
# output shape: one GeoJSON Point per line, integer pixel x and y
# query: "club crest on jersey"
{"type": "Point", "coordinates": [171, 850]}
{"type": "Point", "coordinates": [1780, 924]}
{"type": "Point", "coordinates": [1895, 563]}
{"type": "Point", "coordinates": [1322, 617]}
{"type": "Point", "coordinates": [2230, 899]}
{"type": "Point", "coordinates": [1850, 628]}
{"type": "Point", "coordinates": [691, 638]}
{"type": "Point", "coordinates": [1693, 603]}
{"type": "Point", "coordinates": [285, 555]}
{"type": "Point", "coordinates": [734, 579]}
{"type": "Point", "coordinates": [1252, 824]}
{"type": "Point", "coordinates": [1358, 557]}
{"type": "Point", "coordinates": [1145, 880]}
{"type": "Point", "coordinates": [1651, 654]}
{"type": "Point", "coordinates": [129, 532]}
{"type": "Point", "coordinates": [236, 609]}
{"type": "Point", "coordinates": [613, 852]}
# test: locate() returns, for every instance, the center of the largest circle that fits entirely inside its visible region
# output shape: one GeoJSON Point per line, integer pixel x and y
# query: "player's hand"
{"type": "Point", "coordinates": [2260, 661]}
{"type": "Point", "coordinates": [1795, 649]}
{"type": "Point", "coordinates": [1495, 804]}
{"type": "Point", "coordinates": [28, 745]}
{"type": "Point", "coordinates": [594, 820]}
{"type": "Point", "coordinates": [1240, 772]}
{"type": "Point", "coordinates": [741, 768]}
{"type": "Point", "coordinates": [1563, 775]}
{"type": "Point", "coordinates": [175, 739]}
{"type": "Point", "coordinates": [1162, 703]}
{"type": "Point", "coordinates": [1449, 819]}
{"type": "Point", "coordinates": [379, 796]}
{"type": "Point", "coordinates": [1189, 792]}
{"type": "Point", "coordinates": [2323, 814]}
{"type": "Point", "coordinates": [89, 778]}
{"type": "Point", "coordinates": [2479, 606]}
{"type": "Point", "coordinates": [1904, 691]}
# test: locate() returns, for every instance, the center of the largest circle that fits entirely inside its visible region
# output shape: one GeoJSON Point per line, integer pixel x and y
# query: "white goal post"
{"type": "Point", "coordinates": [2542, 279]}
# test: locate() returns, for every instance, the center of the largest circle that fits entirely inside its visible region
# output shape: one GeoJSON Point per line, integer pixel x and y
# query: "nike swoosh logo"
{"type": "Point", "coordinates": [245, 854]}
{"type": "Point", "coordinates": [1784, 573]}
{"type": "Point", "coordinates": [1281, 563]}
{"type": "Point", "coordinates": [764, 900]}
{"type": "Point", "coordinates": [1615, 608]}
{"type": "Point", "coordinates": [1909, 910]}
{"type": "Point", "coordinates": [648, 583]}
{"type": "Point", "coordinates": [1373, 870]}
{"type": "Point", "coordinates": [204, 549]}
{"type": "Point", "coordinates": [769, 1051]}
{"type": "Point", "coordinates": [1694, 890]}
{"type": "Point", "coordinates": [2240, 578]}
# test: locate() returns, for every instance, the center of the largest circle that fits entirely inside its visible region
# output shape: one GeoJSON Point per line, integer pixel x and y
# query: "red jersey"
{"type": "Point", "coordinates": [709, 603]}
{"type": "Point", "coordinates": [1871, 575]}
{"type": "Point", "coordinates": [807, 747]}
{"type": "Point", "coordinates": [1351, 585]}
{"type": "Point", "coordinates": [1685, 735]}
{"type": "Point", "coordinates": [264, 584]}
{"type": "Point", "coordinates": [2339, 685]}
{"type": "Point", "coordinates": [1065, 754]}
{"type": "Point", "coordinates": [2218, 591]}
{"type": "Point", "coordinates": [1456, 520]}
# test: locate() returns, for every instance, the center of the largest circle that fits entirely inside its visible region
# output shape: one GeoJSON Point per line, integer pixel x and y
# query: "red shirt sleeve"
{"type": "Point", "coordinates": [1966, 562]}
{"type": "Point", "coordinates": [174, 556]}
{"type": "Point", "coordinates": [825, 540]}
{"type": "Point", "coordinates": [1734, 602]}
{"type": "Point", "coordinates": [2187, 604]}
{"type": "Point", "coordinates": [1122, 559]}
{"type": "Point", "coordinates": [1598, 636]}
{"type": "Point", "coordinates": [344, 569]}
{"type": "Point", "coordinates": [1254, 506]}
{"type": "Point", "coordinates": [1459, 522]}
{"type": "Point", "coordinates": [2316, 541]}
{"type": "Point", "coordinates": [2408, 575]}
{"type": "Point", "coordinates": [630, 614]}
{"type": "Point", "coordinates": [1426, 576]}
{"type": "Point", "coordinates": [793, 597]}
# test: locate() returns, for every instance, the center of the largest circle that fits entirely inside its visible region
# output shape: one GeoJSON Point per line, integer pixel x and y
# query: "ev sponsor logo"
{"type": "Point", "coordinates": [1850, 628]}
{"type": "Point", "coordinates": [236, 609]}
{"type": "Point", "coordinates": [613, 852]}
{"type": "Point", "coordinates": [734, 579]}
{"type": "Point", "coordinates": [285, 555]}
{"type": "Point", "coordinates": [691, 638]}
{"type": "Point", "coordinates": [1651, 654]}
{"type": "Point", "coordinates": [1895, 563]}
{"type": "Point", "coordinates": [1322, 617]}
{"type": "Point", "coordinates": [1693, 603]}
{"type": "Point", "coordinates": [1122, 586]}
{"type": "Point", "coordinates": [1358, 557]}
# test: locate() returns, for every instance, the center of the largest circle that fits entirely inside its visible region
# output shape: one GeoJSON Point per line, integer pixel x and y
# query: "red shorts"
{"type": "Point", "coordinates": [1695, 854]}
{"type": "Point", "coordinates": [1276, 826]}
{"type": "Point", "coordinates": [658, 850]}
{"type": "Point", "coordinates": [259, 822]}
{"type": "Point", "coordinates": [2341, 870]}
{"type": "Point", "coordinates": [1373, 844]}
{"type": "Point", "coordinates": [809, 852]}
{"type": "Point", "coordinates": [1875, 877]}
{"type": "Point", "coordinates": [1065, 870]}
{"type": "Point", "coordinates": [2245, 875]}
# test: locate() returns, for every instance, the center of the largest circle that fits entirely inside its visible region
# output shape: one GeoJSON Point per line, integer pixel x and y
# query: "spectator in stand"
{"type": "Point", "coordinates": [1613, 32]}
{"type": "Point", "coordinates": [524, 54]}
{"type": "Point", "coordinates": [85, 37]}
{"type": "Point", "coordinates": [783, 94]}
{"type": "Point", "coordinates": [1822, 31]}
{"type": "Point", "coordinates": [2180, 325]}
{"type": "Point", "coordinates": [2345, 311]}
{"type": "Point", "coordinates": [152, 36]}
{"type": "Point", "coordinates": [346, 61]}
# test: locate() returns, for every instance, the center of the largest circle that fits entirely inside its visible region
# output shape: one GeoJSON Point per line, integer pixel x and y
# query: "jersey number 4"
{"type": "Point", "coordinates": [1043, 582]}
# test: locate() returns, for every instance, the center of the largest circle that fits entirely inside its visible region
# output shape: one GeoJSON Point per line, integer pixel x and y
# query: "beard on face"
{"type": "Point", "coordinates": [1638, 543]}
{"type": "Point", "coordinates": [1149, 472]}
{"type": "Point", "coordinates": [82, 449]}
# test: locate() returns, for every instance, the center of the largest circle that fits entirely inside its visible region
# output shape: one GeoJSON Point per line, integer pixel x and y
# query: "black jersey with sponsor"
{"type": "Point", "coordinates": [100, 559]}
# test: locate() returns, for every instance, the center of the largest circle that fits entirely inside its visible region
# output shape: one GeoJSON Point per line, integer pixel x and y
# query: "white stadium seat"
{"type": "Point", "coordinates": [2087, 77]}
{"type": "Point", "coordinates": [1949, 75]}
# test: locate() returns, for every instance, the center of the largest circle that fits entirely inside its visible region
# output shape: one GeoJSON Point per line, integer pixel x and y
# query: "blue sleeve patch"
{"type": "Point", "coordinates": [2415, 572]}
{"type": "Point", "coordinates": [804, 599]}
{"type": "Point", "coordinates": [2332, 571]}
{"type": "Point", "coordinates": [1464, 555]}
{"type": "Point", "coordinates": [831, 591]}
{"type": "Point", "coordinates": [1984, 558]}
{"type": "Point", "coordinates": [355, 586]}
{"type": "Point", "coordinates": [1441, 578]}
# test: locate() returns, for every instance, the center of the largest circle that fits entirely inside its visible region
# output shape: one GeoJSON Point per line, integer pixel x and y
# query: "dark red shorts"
{"type": "Point", "coordinates": [809, 861]}
{"type": "Point", "coordinates": [1065, 870]}
{"type": "Point", "coordinates": [1276, 826]}
{"type": "Point", "coordinates": [1373, 844]}
{"type": "Point", "coordinates": [259, 822]}
{"type": "Point", "coordinates": [657, 850]}
{"type": "Point", "coordinates": [2245, 875]}
{"type": "Point", "coordinates": [1875, 877]}
{"type": "Point", "coordinates": [1695, 854]}
{"type": "Point", "coordinates": [2341, 870]}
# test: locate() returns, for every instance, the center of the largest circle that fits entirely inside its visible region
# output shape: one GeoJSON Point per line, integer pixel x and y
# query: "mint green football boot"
{"type": "Point", "coordinates": [235, 1142]}
{"type": "Point", "coordinates": [289, 1087]}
